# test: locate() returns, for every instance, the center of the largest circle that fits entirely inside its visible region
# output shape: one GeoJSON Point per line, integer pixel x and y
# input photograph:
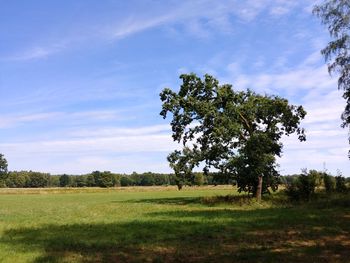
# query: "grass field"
{"type": "Point", "coordinates": [162, 224]}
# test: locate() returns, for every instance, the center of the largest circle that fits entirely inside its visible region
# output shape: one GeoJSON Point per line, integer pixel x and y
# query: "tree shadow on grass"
{"type": "Point", "coordinates": [166, 201]}
{"type": "Point", "coordinates": [207, 200]}
{"type": "Point", "coordinates": [206, 235]}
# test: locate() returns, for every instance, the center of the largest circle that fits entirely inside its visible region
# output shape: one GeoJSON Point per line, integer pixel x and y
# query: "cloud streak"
{"type": "Point", "coordinates": [189, 14]}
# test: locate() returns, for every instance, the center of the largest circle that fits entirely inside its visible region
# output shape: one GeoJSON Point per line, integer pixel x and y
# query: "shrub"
{"type": "Point", "coordinates": [198, 179]}
{"type": "Point", "coordinates": [340, 185]}
{"type": "Point", "coordinates": [329, 183]}
{"type": "Point", "coordinates": [318, 176]}
{"type": "Point", "coordinates": [292, 190]}
{"type": "Point", "coordinates": [303, 187]}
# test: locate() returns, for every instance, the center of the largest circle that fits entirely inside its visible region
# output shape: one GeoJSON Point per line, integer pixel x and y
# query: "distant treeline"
{"type": "Point", "coordinates": [30, 179]}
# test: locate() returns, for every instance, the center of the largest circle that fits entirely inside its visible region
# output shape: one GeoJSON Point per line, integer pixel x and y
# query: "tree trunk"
{"type": "Point", "coordinates": [259, 189]}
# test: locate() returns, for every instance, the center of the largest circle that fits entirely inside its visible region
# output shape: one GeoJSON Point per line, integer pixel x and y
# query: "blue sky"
{"type": "Point", "coordinates": [80, 80]}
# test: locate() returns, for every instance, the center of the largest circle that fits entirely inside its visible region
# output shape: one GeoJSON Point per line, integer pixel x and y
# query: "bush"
{"type": "Point", "coordinates": [303, 187]}
{"type": "Point", "coordinates": [318, 176]}
{"type": "Point", "coordinates": [198, 179]}
{"type": "Point", "coordinates": [292, 190]}
{"type": "Point", "coordinates": [329, 183]}
{"type": "Point", "coordinates": [340, 185]}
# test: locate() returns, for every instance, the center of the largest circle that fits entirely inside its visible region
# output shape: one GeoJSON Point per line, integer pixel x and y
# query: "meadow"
{"type": "Point", "coordinates": [162, 224]}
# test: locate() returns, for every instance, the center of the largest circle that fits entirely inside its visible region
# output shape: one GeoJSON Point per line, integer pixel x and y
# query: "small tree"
{"type": "Point", "coordinates": [340, 184]}
{"type": "Point", "coordinates": [3, 170]}
{"type": "Point", "coordinates": [236, 132]}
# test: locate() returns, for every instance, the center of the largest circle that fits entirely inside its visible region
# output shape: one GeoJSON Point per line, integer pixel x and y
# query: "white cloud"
{"type": "Point", "coordinates": [279, 10]}
{"type": "Point", "coordinates": [117, 149]}
{"type": "Point", "coordinates": [114, 131]}
{"type": "Point", "coordinates": [15, 120]}
{"type": "Point", "coordinates": [134, 25]}
{"type": "Point", "coordinates": [199, 17]}
{"type": "Point", "coordinates": [113, 144]}
{"type": "Point", "coordinates": [38, 52]}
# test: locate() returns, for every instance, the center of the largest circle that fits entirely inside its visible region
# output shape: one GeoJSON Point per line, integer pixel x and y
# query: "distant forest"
{"type": "Point", "coordinates": [30, 179]}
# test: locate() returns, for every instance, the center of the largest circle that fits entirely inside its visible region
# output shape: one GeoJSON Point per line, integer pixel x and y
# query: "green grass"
{"type": "Point", "coordinates": [209, 224]}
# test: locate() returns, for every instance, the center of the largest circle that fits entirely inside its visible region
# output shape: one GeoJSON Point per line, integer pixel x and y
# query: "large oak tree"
{"type": "Point", "coordinates": [235, 132]}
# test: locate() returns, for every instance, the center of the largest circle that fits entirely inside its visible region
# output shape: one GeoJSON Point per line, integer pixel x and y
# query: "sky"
{"type": "Point", "coordinates": [80, 80]}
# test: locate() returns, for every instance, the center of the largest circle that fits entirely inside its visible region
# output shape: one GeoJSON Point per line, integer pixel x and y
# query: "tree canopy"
{"type": "Point", "coordinates": [3, 170]}
{"type": "Point", "coordinates": [235, 132]}
{"type": "Point", "coordinates": [3, 164]}
{"type": "Point", "coordinates": [335, 14]}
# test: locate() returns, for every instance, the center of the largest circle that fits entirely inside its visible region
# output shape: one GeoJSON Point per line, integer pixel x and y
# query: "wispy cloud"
{"type": "Point", "coordinates": [131, 25]}
{"type": "Point", "coordinates": [15, 120]}
{"type": "Point", "coordinates": [38, 52]}
{"type": "Point", "coordinates": [103, 149]}
{"type": "Point", "coordinates": [189, 14]}
{"type": "Point", "coordinates": [117, 131]}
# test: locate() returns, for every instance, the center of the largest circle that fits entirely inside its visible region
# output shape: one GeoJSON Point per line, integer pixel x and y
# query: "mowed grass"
{"type": "Point", "coordinates": [162, 224]}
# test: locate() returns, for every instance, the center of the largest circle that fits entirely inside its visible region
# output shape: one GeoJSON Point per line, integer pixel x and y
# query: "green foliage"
{"type": "Point", "coordinates": [340, 185]}
{"type": "Point", "coordinates": [126, 181]}
{"type": "Point", "coordinates": [64, 180]}
{"type": "Point", "coordinates": [17, 179]}
{"type": "Point", "coordinates": [317, 175]}
{"type": "Point", "coordinates": [329, 183]}
{"type": "Point", "coordinates": [335, 15]}
{"type": "Point", "coordinates": [235, 132]}
{"type": "Point", "coordinates": [80, 181]}
{"type": "Point", "coordinates": [199, 179]}
{"type": "Point", "coordinates": [90, 180]}
{"type": "Point", "coordinates": [3, 170]}
{"type": "Point", "coordinates": [3, 164]}
{"type": "Point", "coordinates": [54, 181]}
{"type": "Point", "coordinates": [103, 179]}
{"type": "Point", "coordinates": [302, 188]}
{"type": "Point", "coordinates": [37, 179]}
